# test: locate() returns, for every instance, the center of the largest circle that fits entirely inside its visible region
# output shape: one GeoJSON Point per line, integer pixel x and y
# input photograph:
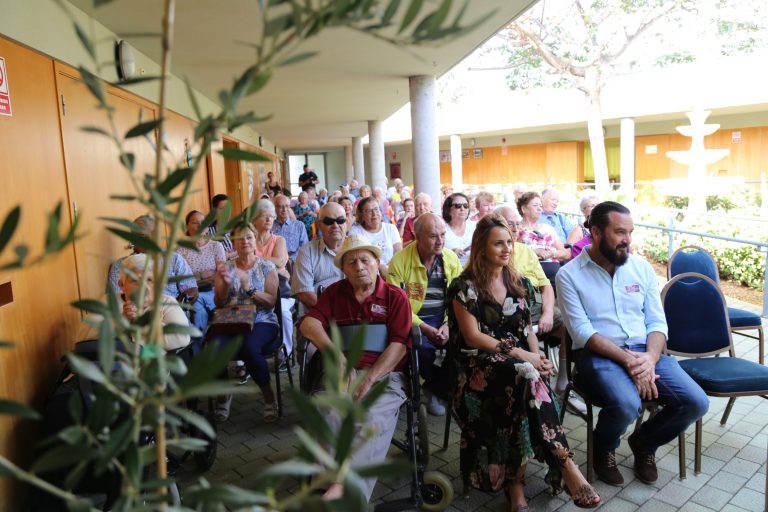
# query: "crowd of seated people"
{"type": "Point", "coordinates": [475, 285]}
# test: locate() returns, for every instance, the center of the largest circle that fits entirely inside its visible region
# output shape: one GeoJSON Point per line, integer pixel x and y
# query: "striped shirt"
{"type": "Point", "coordinates": [434, 301]}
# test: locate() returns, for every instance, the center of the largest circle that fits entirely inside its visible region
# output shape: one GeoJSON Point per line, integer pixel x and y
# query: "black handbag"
{"type": "Point", "coordinates": [232, 320]}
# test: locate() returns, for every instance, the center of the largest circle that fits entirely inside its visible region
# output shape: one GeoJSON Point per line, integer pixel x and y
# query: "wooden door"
{"type": "Point", "coordinates": [234, 179]}
{"type": "Point", "coordinates": [94, 173]}
{"type": "Point", "coordinates": [35, 311]}
{"type": "Point", "coordinates": [179, 133]}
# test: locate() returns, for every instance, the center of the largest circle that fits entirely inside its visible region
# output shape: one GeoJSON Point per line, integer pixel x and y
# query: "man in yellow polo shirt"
{"type": "Point", "coordinates": [425, 269]}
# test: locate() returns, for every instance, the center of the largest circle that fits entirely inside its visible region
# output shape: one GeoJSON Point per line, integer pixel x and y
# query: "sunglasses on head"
{"type": "Point", "coordinates": [328, 221]}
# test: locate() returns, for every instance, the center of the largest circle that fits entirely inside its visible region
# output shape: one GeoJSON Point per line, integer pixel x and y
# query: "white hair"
{"type": "Point", "coordinates": [133, 266]}
{"type": "Point", "coordinates": [264, 207]}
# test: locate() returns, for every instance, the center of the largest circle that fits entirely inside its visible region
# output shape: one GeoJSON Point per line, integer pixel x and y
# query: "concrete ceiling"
{"type": "Point", "coordinates": [321, 102]}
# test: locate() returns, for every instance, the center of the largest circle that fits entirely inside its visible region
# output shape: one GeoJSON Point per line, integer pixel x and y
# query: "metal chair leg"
{"type": "Point", "coordinates": [697, 453]}
{"type": "Point", "coordinates": [727, 412]}
{"type": "Point", "coordinates": [681, 455]}
{"type": "Point", "coordinates": [590, 446]}
{"type": "Point", "coordinates": [760, 346]}
{"type": "Point", "coordinates": [448, 414]}
{"type": "Point", "coordinates": [278, 392]}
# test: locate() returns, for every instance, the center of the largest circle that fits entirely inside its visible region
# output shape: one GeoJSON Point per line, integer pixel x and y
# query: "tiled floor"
{"type": "Point", "coordinates": [733, 476]}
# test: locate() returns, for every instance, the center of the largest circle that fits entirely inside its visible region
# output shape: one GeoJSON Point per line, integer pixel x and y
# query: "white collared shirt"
{"type": "Point", "coordinates": [624, 308]}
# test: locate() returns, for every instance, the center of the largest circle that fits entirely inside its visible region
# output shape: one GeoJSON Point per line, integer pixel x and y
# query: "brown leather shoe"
{"type": "Point", "coordinates": [606, 468]}
{"type": "Point", "coordinates": [645, 463]}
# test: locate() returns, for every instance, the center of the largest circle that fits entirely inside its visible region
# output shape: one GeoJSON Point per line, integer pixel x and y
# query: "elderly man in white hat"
{"type": "Point", "coordinates": [364, 297]}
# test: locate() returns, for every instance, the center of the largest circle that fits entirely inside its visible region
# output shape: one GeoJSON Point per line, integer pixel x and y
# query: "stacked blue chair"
{"type": "Point", "coordinates": [699, 330]}
{"type": "Point", "coordinates": [695, 259]}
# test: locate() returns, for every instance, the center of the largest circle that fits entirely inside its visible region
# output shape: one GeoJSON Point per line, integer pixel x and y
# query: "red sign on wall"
{"type": "Point", "coordinates": [5, 94]}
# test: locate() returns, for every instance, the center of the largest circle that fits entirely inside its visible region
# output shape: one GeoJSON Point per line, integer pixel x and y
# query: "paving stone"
{"type": "Point", "coordinates": [711, 497]}
{"type": "Point", "coordinates": [618, 505]}
{"type": "Point", "coordinates": [657, 506]}
{"type": "Point", "coordinates": [735, 440]}
{"type": "Point", "coordinates": [749, 499]}
{"type": "Point", "coordinates": [721, 452]}
{"type": "Point", "coordinates": [741, 467]}
{"type": "Point", "coordinates": [728, 482]}
{"type": "Point", "coordinates": [637, 492]}
{"type": "Point", "coordinates": [757, 482]}
{"type": "Point", "coordinates": [674, 494]}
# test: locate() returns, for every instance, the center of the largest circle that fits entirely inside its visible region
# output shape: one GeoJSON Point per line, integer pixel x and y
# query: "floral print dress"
{"type": "Point", "coordinates": [506, 411]}
{"type": "Point", "coordinates": [306, 219]}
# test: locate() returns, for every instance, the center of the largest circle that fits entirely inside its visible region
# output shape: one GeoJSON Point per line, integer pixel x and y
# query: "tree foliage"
{"type": "Point", "coordinates": [141, 390]}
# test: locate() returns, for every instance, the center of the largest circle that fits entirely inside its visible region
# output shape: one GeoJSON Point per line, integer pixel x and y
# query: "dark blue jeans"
{"type": "Point", "coordinates": [259, 342]}
{"type": "Point", "coordinates": [683, 401]}
{"type": "Point", "coordinates": [435, 377]}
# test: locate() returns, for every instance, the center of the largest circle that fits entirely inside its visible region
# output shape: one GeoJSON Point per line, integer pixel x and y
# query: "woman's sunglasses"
{"type": "Point", "coordinates": [462, 206]}
{"type": "Point", "coordinates": [328, 221]}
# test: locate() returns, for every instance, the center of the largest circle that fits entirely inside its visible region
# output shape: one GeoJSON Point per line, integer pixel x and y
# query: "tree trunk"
{"type": "Point", "coordinates": [597, 144]}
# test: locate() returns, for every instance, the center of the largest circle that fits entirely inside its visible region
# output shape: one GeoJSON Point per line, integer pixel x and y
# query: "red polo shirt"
{"type": "Point", "coordinates": [408, 231]}
{"type": "Point", "coordinates": [386, 305]}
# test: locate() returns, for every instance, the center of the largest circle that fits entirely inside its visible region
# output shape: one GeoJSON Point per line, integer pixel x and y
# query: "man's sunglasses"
{"type": "Point", "coordinates": [328, 221]}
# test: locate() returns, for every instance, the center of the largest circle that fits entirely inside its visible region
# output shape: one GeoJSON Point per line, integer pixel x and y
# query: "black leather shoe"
{"type": "Point", "coordinates": [645, 463]}
{"type": "Point", "coordinates": [606, 468]}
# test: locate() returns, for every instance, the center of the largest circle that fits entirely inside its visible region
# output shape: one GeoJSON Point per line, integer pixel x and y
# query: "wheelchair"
{"type": "Point", "coordinates": [430, 490]}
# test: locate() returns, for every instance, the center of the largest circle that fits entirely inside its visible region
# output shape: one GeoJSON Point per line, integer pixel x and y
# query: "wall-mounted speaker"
{"type": "Point", "coordinates": [125, 62]}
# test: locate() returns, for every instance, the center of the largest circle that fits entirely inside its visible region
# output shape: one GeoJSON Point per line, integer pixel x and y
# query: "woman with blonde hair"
{"type": "Point", "coordinates": [250, 280]}
{"type": "Point", "coordinates": [506, 409]}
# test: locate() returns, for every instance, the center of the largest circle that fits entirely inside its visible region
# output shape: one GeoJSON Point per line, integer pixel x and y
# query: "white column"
{"type": "Point", "coordinates": [457, 180]}
{"type": "Point", "coordinates": [349, 166]}
{"type": "Point", "coordinates": [627, 160]}
{"type": "Point", "coordinates": [358, 160]}
{"type": "Point", "coordinates": [426, 151]}
{"type": "Point", "coordinates": [377, 155]}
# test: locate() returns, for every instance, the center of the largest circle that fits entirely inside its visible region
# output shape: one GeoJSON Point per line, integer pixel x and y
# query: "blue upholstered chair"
{"type": "Point", "coordinates": [695, 259]}
{"type": "Point", "coordinates": [699, 330]}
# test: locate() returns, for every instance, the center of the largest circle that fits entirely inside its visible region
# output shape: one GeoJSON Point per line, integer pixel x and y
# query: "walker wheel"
{"type": "Point", "coordinates": [436, 491]}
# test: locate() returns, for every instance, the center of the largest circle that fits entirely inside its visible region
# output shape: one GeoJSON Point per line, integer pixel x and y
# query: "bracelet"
{"type": "Point", "coordinates": [505, 346]}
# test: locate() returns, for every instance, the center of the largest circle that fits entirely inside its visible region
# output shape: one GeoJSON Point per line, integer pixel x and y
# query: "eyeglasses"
{"type": "Point", "coordinates": [463, 206]}
{"type": "Point", "coordinates": [371, 211]}
{"type": "Point", "coordinates": [328, 221]}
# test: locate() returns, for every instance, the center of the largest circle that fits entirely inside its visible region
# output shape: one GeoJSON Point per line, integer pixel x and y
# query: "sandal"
{"type": "Point", "coordinates": [270, 412]}
{"type": "Point", "coordinates": [584, 496]}
{"type": "Point", "coordinates": [222, 408]}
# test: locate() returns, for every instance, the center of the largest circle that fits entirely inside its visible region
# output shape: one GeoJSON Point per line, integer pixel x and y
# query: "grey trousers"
{"type": "Point", "coordinates": [374, 435]}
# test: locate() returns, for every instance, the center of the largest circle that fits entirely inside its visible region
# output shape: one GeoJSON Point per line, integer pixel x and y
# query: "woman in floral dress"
{"type": "Point", "coordinates": [506, 409]}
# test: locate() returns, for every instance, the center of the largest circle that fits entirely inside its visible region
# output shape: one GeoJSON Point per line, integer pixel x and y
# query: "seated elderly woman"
{"type": "Point", "coordinates": [250, 280]}
{"type": "Point", "coordinates": [579, 237]}
{"type": "Point", "coordinates": [382, 235]}
{"type": "Point", "coordinates": [132, 269]}
{"type": "Point", "coordinates": [506, 409]}
{"type": "Point", "coordinates": [273, 247]}
{"type": "Point", "coordinates": [203, 262]}
{"type": "Point", "coordinates": [364, 297]}
{"type": "Point", "coordinates": [540, 236]}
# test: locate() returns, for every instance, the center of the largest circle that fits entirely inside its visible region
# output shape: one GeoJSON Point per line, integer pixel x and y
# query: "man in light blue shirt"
{"type": "Point", "coordinates": [550, 199]}
{"type": "Point", "coordinates": [292, 230]}
{"type": "Point", "coordinates": [611, 306]}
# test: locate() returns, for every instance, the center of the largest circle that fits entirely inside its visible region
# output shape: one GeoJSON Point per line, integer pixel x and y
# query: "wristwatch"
{"type": "Point", "coordinates": [250, 292]}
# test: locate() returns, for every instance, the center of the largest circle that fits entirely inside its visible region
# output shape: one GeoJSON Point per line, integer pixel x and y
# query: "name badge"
{"type": "Point", "coordinates": [379, 310]}
{"type": "Point", "coordinates": [632, 288]}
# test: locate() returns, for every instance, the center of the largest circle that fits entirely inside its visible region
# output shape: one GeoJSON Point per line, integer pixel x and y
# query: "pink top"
{"type": "Point", "coordinates": [267, 250]}
{"type": "Point", "coordinates": [541, 238]}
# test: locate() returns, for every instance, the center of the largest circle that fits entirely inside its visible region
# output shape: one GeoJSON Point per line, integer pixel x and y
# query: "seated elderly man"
{"type": "Point", "coordinates": [292, 230]}
{"type": "Point", "coordinates": [314, 262]}
{"type": "Point", "coordinates": [132, 269]}
{"type": "Point", "coordinates": [426, 268]}
{"type": "Point", "coordinates": [422, 204]}
{"type": "Point", "coordinates": [364, 297]}
{"type": "Point", "coordinates": [178, 267]}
